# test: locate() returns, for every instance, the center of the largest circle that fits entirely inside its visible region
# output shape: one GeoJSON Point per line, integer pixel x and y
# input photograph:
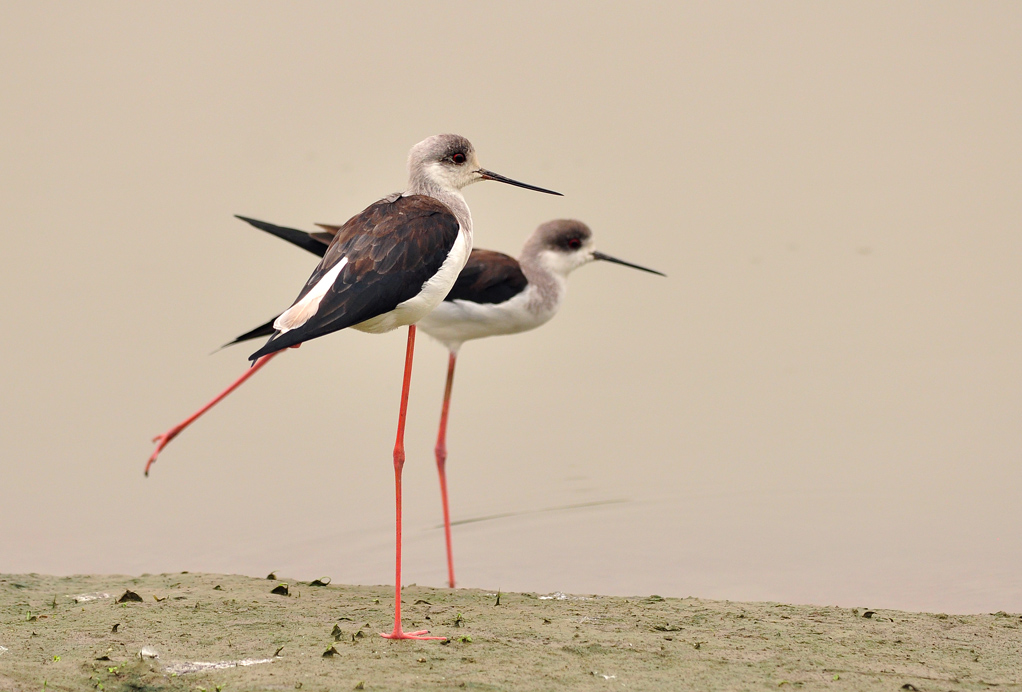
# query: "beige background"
{"type": "Point", "coordinates": [820, 404]}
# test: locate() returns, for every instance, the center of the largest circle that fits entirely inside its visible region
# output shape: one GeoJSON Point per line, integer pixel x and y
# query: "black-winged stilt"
{"type": "Point", "coordinates": [386, 268]}
{"type": "Point", "coordinates": [494, 294]}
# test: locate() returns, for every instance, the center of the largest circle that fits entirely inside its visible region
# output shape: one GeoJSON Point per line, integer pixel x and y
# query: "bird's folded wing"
{"type": "Point", "coordinates": [488, 277]}
{"type": "Point", "coordinates": [378, 259]}
{"type": "Point", "coordinates": [315, 242]}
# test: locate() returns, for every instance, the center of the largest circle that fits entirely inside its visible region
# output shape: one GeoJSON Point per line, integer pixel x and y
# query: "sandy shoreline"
{"type": "Point", "coordinates": [228, 632]}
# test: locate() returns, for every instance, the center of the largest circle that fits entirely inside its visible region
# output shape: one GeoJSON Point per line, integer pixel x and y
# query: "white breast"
{"type": "Point", "coordinates": [457, 321]}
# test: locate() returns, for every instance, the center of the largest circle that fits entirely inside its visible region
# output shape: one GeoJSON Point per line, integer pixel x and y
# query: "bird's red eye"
{"type": "Point", "coordinates": [574, 243]}
{"type": "Point", "coordinates": [459, 158]}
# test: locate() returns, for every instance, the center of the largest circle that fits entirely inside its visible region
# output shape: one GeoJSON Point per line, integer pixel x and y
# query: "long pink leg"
{"type": "Point", "coordinates": [164, 439]}
{"type": "Point", "coordinates": [441, 464]}
{"type": "Point", "coordinates": [399, 462]}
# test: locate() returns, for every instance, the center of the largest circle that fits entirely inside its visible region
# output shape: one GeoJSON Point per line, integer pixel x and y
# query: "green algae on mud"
{"type": "Point", "coordinates": [70, 633]}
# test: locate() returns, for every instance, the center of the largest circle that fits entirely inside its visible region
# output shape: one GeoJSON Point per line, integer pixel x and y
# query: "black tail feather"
{"type": "Point", "coordinates": [316, 243]}
{"type": "Point", "coordinates": [262, 330]}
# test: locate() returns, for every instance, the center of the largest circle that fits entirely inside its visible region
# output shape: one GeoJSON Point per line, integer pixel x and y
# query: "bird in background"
{"type": "Point", "coordinates": [494, 294]}
{"type": "Point", "coordinates": [386, 268]}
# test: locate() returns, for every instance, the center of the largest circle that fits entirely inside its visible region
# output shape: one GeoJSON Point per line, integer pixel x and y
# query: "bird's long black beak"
{"type": "Point", "coordinates": [490, 175]}
{"type": "Point", "coordinates": [615, 260]}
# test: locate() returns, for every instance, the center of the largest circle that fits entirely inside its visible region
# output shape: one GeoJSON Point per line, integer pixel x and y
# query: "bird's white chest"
{"type": "Point", "coordinates": [455, 322]}
{"type": "Point", "coordinates": [432, 293]}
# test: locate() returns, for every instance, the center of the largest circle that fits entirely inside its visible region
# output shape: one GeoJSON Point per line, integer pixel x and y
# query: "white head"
{"type": "Point", "coordinates": [449, 162]}
{"type": "Point", "coordinates": [563, 245]}
{"type": "Point", "coordinates": [560, 246]}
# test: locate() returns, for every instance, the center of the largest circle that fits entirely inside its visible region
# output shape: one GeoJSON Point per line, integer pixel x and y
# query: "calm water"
{"type": "Point", "coordinates": [821, 402]}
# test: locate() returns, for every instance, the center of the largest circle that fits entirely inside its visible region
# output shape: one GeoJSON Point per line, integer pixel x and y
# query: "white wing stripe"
{"type": "Point", "coordinates": [299, 313]}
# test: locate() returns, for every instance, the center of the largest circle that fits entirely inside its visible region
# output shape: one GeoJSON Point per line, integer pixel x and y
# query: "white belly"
{"type": "Point", "coordinates": [454, 322]}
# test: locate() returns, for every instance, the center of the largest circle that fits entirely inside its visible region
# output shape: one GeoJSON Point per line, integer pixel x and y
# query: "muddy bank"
{"type": "Point", "coordinates": [225, 632]}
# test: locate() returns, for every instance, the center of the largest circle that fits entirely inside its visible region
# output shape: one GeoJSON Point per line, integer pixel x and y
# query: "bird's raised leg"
{"type": "Point", "coordinates": [441, 465]}
{"type": "Point", "coordinates": [399, 462]}
{"type": "Point", "coordinates": [164, 439]}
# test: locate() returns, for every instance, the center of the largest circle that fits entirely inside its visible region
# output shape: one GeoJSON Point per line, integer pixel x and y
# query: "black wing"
{"type": "Point", "coordinates": [262, 330]}
{"type": "Point", "coordinates": [316, 243]}
{"type": "Point", "coordinates": [488, 277]}
{"type": "Point", "coordinates": [392, 248]}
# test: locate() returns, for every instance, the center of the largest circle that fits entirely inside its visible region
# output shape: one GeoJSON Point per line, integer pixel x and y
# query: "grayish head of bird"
{"type": "Point", "coordinates": [563, 245]}
{"type": "Point", "coordinates": [448, 163]}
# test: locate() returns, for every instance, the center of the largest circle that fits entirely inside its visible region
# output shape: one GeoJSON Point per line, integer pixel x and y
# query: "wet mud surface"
{"type": "Point", "coordinates": [226, 632]}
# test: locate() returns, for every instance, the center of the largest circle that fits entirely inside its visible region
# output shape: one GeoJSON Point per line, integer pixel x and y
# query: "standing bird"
{"type": "Point", "coordinates": [387, 267]}
{"type": "Point", "coordinates": [494, 294]}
